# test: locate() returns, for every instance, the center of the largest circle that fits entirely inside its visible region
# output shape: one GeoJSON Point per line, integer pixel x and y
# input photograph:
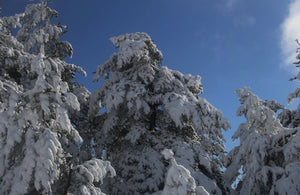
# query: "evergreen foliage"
{"type": "Point", "coordinates": [179, 180]}
{"type": "Point", "coordinates": [56, 136]}
{"type": "Point", "coordinates": [149, 107]}
{"type": "Point", "coordinates": [268, 152]}
{"type": "Point", "coordinates": [38, 140]}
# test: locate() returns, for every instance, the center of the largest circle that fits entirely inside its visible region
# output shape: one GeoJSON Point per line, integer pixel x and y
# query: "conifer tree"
{"type": "Point", "coordinates": [268, 152]}
{"type": "Point", "coordinates": [147, 107]}
{"type": "Point", "coordinates": [38, 139]}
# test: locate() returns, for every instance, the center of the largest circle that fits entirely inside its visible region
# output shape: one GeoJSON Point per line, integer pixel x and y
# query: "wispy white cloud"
{"type": "Point", "coordinates": [230, 3]}
{"type": "Point", "coordinates": [290, 31]}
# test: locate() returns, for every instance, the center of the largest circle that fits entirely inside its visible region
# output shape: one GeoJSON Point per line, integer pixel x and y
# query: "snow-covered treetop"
{"type": "Point", "coordinates": [133, 48]}
{"type": "Point", "coordinates": [259, 114]}
{"type": "Point", "coordinates": [267, 152]}
{"type": "Point", "coordinates": [138, 89]}
{"type": "Point", "coordinates": [252, 150]}
{"type": "Point", "coordinates": [35, 29]}
{"type": "Point", "coordinates": [38, 30]}
{"type": "Point", "coordinates": [36, 35]}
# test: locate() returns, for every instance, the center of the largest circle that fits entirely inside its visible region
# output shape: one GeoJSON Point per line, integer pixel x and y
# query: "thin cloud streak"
{"type": "Point", "coordinates": [290, 31]}
{"type": "Point", "coordinates": [230, 3]}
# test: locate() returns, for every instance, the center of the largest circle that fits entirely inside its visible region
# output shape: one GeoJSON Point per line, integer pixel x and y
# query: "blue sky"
{"type": "Point", "coordinates": [229, 43]}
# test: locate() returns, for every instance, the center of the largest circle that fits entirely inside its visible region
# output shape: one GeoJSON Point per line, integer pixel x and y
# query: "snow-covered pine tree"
{"type": "Point", "coordinates": [255, 141]}
{"type": "Point", "coordinates": [146, 108]}
{"type": "Point", "coordinates": [37, 96]}
{"type": "Point", "coordinates": [268, 153]}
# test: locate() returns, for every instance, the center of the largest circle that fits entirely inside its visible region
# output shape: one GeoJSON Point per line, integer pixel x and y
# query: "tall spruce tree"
{"type": "Point", "coordinates": [38, 139]}
{"type": "Point", "coordinates": [146, 107]}
{"type": "Point", "coordinates": [268, 153]}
